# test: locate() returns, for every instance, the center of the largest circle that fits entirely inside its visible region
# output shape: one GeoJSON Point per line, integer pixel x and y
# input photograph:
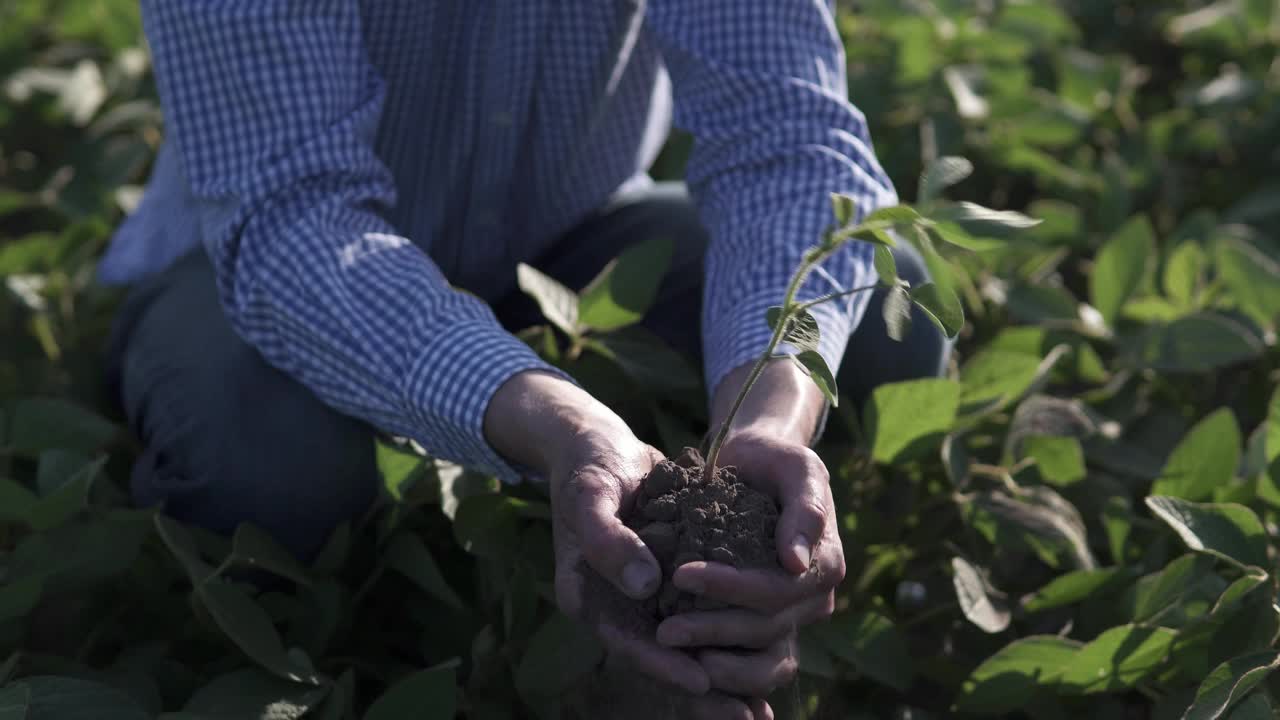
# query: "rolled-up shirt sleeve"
{"type": "Point", "coordinates": [761, 87]}
{"type": "Point", "coordinates": [272, 106]}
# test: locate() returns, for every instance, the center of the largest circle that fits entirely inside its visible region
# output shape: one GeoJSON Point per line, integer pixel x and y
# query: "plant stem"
{"type": "Point", "coordinates": [788, 309]}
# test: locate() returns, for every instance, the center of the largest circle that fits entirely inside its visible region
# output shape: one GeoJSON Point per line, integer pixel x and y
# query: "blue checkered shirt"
{"type": "Point", "coordinates": [366, 175]}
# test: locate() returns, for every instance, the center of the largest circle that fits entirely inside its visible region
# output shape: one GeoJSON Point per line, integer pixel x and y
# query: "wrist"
{"type": "Point", "coordinates": [535, 419]}
{"type": "Point", "coordinates": [784, 403]}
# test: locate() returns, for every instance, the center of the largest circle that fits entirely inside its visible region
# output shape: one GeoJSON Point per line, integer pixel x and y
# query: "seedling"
{"type": "Point", "coordinates": [962, 224]}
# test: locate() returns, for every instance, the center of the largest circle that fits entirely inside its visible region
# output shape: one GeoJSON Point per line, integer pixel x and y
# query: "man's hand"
{"type": "Point", "coordinates": [770, 445]}
{"type": "Point", "coordinates": [595, 465]}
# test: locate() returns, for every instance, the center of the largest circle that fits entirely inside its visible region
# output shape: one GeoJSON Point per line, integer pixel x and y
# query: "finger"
{"type": "Point", "coordinates": [741, 628]}
{"type": "Point", "coordinates": [760, 709]}
{"type": "Point", "coordinates": [720, 707]}
{"type": "Point", "coordinates": [754, 674]}
{"type": "Point", "coordinates": [610, 547]}
{"type": "Point", "coordinates": [669, 666]}
{"type": "Point", "coordinates": [766, 591]}
{"type": "Point", "coordinates": [805, 501]}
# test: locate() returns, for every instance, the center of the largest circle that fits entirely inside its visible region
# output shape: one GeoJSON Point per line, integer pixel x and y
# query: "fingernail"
{"type": "Point", "coordinates": [639, 578]}
{"type": "Point", "coordinates": [803, 549]}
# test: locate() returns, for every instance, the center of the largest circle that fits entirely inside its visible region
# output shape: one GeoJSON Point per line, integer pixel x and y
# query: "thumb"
{"type": "Point", "coordinates": [610, 547]}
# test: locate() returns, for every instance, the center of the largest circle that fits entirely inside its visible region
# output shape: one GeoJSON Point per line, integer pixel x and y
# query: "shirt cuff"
{"type": "Point", "coordinates": [451, 384]}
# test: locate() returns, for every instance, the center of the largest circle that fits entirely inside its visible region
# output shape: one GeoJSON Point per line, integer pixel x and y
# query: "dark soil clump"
{"type": "Point", "coordinates": [682, 516]}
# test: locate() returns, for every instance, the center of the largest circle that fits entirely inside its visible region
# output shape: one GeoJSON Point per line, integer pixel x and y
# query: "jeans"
{"type": "Point", "coordinates": [228, 438]}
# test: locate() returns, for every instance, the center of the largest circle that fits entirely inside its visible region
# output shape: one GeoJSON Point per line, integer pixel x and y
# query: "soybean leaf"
{"type": "Point", "coordinates": [39, 424]}
{"type": "Point", "coordinates": [978, 601]}
{"type": "Point", "coordinates": [251, 693]}
{"type": "Point", "coordinates": [1206, 459]}
{"type": "Point", "coordinates": [647, 360]}
{"type": "Point", "coordinates": [255, 548]}
{"type": "Point", "coordinates": [820, 374]}
{"type": "Point", "coordinates": [1228, 531]}
{"type": "Point", "coordinates": [1272, 442]}
{"type": "Point", "coordinates": [183, 546]}
{"type": "Point", "coordinates": [424, 695]}
{"type": "Point", "coordinates": [994, 377]}
{"type": "Point", "coordinates": [62, 503]}
{"type": "Point", "coordinates": [872, 644]}
{"type": "Point", "coordinates": [1229, 683]}
{"type": "Point", "coordinates": [19, 596]}
{"type": "Point", "coordinates": [1046, 521]}
{"type": "Point", "coordinates": [558, 654]}
{"type": "Point", "coordinates": [15, 701]}
{"type": "Point", "coordinates": [940, 175]}
{"type": "Point", "coordinates": [1074, 587]}
{"type": "Point", "coordinates": [1254, 707]}
{"type": "Point", "coordinates": [249, 626]}
{"type": "Point", "coordinates": [558, 303]}
{"type": "Point", "coordinates": [487, 524]}
{"type": "Point", "coordinates": [896, 310]}
{"type": "Point", "coordinates": [625, 289]}
{"type": "Point", "coordinates": [886, 266]}
{"type": "Point", "coordinates": [1252, 276]}
{"type": "Point", "coordinates": [1060, 460]}
{"type": "Point", "coordinates": [1184, 274]}
{"type": "Point", "coordinates": [407, 555]}
{"type": "Point", "coordinates": [1008, 680]}
{"type": "Point", "coordinates": [905, 419]}
{"type": "Point", "coordinates": [942, 307]}
{"type": "Point", "coordinates": [400, 469]}
{"type": "Point", "coordinates": [1120, 267]}
{"type": "Point", "coordinates": [1169, 587]}
{"type": "Point", "coordinates": [1238, 590]}
{"type": "Point", "coordinates": [1197, 343]}
{"type": "Point", "coordinates": [1117, 659]}
{"type": "Point", "coordinates": [68, 698]}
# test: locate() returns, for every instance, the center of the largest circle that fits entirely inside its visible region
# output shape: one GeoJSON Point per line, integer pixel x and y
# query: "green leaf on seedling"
{"type": "Point", "coordinates": [1059, 459]}
{"type": "Point", "coordinates": [952, 234]}
{"type": "Point", "coordinates": [1118, 659]}
{"type": "Point", "coordinates": [1254, 707]}
{"type": "Point", "coordinates": [251, 693]}
{"type": "Point", "coordinates": [1074, 587]}
{"type": "Point", "coordinates": [845, 208]}
{"type": "Point", "coordinates": [943, 307]}
{"type": "Point", "coordinates": [558, 303]}
{"type": "Point", "coordinates": [870, 642]}
{"type": "Point", "coordinates": [407, 555]}
{"type": "Point", "coordinates": [820, 374]}
{"type": "Point", "coordinates": [894, 215]}
{"type": "Point", "coordinates": [1230, 682]}
{"type": "Point", "coordinates": [940, 175]}
{"type": "Point", "coordinates": [978, 601]}
{"type": "Point", "coordinates": [399, 469]}
{"type": "Point", "coordinates": [896, 310]}
{"type": "Point", "coordinates": [802, 329]}
{"type": "Point", "coordinates": [1120, 267]}
{"type": "Point", "coordinates": [1228, 531]}
{"type": "Point", "coordinates": [886, 266]}
{"type": "Point", "coordinates": [1204, 460]}
{"type": "Point", "coordinates": [558, 654]}
{"type": "Point", "coordinates": [254, 548]}
{"type": "Point", "coordinates": [983, 221]}
{"type": "Point", "coordinates": [905, 419]}
{"type": "Point", "coordinates": [1009, 679]}
{"type": "Point", "coordinates": [429, 694]}
{"type": "Point", "coordinates": [625, 289]}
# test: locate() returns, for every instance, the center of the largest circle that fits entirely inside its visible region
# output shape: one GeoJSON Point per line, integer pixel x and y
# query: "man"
{"type": "Point", "coordinates": [342, 197]}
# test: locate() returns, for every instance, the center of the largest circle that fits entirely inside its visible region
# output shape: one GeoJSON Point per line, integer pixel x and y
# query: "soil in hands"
{"type": "Point", "coordinates": [683, 515]}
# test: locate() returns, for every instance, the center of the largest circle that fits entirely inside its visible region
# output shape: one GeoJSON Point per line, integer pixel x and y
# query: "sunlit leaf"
{"type": "Point", "coordinates": [942, 174]}
{"type": "Point", "coordinates": [1120, 266]}
{"type": "Point", "coordinates": [1117, 659]}
{"type": "Point", "coordinates": [978, 601]}
{"type": "Point", "coordinates": [558, 303]}
{"type": "Point", "coordinates": [625, 289]}
{"type": "Point", "coordinates": [1206, 459]}
{"type": "Point", "coordinates": [1008, 680]}
{"type": "Point", "coordinates": [941, 306]}
{"type": "Point", "coordinates": [820, 374]}
{"type": "Point", "coordinates": [886, 266]}
{"type": "Point", "coordinates": [904, 419]}
{"type": "Point", "coordinates": [896, 309]}
{"type": "Point", "coordinates": [1226, 530]}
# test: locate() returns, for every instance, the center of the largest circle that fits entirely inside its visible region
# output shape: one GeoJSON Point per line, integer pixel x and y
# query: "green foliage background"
{"type": "Point", "coordinates": [1080, 518]}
